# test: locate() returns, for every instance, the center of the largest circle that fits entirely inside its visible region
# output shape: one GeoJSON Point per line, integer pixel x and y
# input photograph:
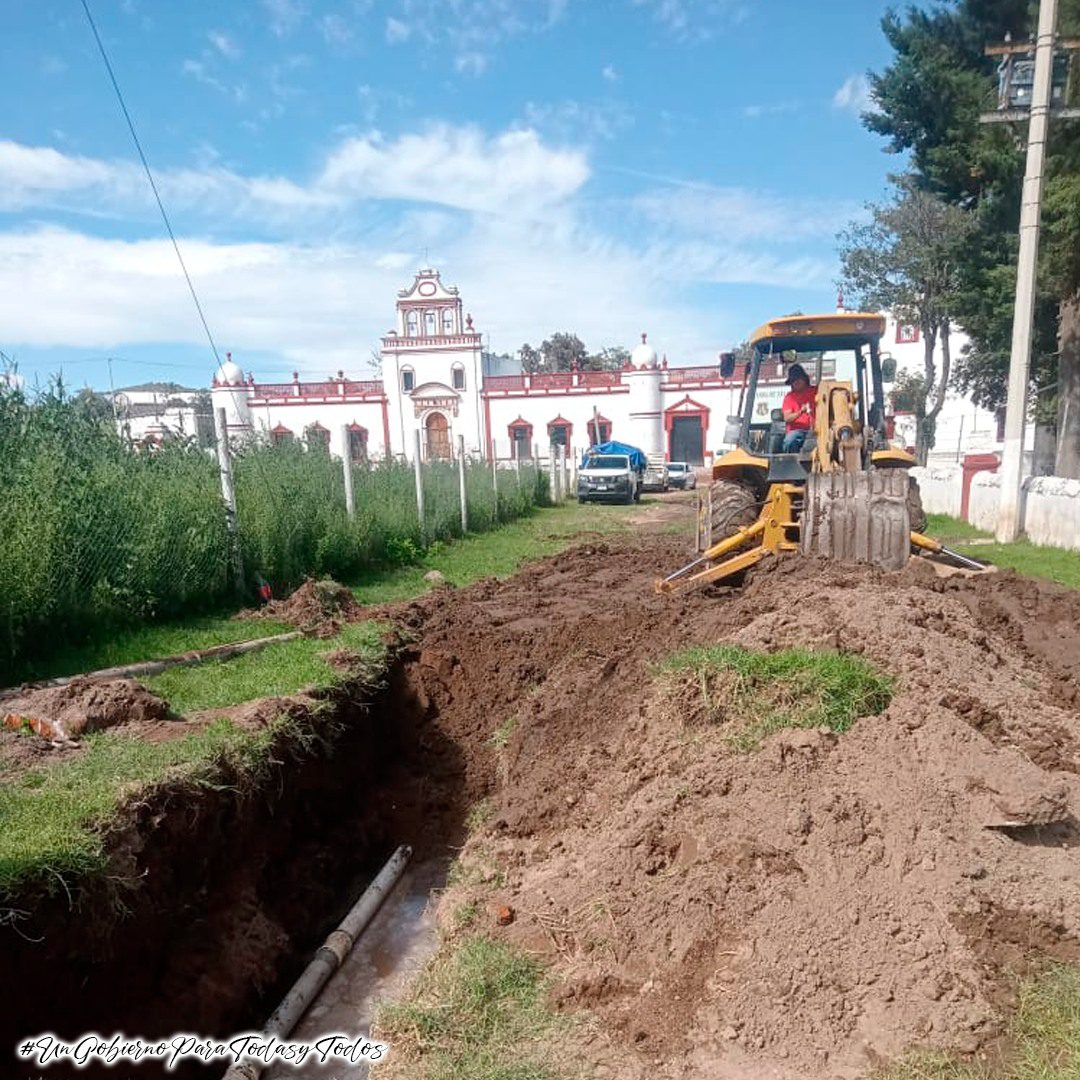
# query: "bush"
{"type": "Point", "coordinates": [95, 533]}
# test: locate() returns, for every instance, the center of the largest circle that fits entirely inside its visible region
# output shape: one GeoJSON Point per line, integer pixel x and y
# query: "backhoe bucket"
{"type": "Point", "coordinates": [858, 517]}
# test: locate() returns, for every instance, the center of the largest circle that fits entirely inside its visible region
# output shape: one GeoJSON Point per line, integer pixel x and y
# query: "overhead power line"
{"type": "Point", "coordinates": [150, 177]}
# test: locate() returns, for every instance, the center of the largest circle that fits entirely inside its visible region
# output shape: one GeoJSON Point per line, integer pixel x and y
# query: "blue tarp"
{"type": "Point", "coordinates": [638, 461]}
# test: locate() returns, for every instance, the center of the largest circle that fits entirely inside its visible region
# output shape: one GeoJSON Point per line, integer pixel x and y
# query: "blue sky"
{"type": "Point", "coordinates": [599, 166]}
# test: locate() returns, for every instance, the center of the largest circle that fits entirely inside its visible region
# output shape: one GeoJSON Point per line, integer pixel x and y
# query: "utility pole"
{"type": "Point", "coordinates": [1012, 460]}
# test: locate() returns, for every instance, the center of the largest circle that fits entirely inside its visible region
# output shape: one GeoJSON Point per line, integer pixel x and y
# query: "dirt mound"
{"type": "Point", "coordinates": [807, 910]}
{"type": "Point", "coordinates": [61, 713]}
{"type": "Point", "coordinates": [319, 607]}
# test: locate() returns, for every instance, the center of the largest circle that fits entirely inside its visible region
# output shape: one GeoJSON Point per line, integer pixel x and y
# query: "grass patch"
{"type": "Point", "coordinates": [281, 668]}
{"type": "Point", "coordinates": [500, 737]}
{"type": "Point", "coordinates": [51, 818]}
{"type": "Point", "coordinates": [1053, 564]}
{"type": "Point", "coordinates": [756, 693]}
{"type": "Point", "coordinates": [477, 1013]}
{"type": "Point", "coordinates": [1044, 1037]}
{"type": "Point", "coordinates": [496, 554]}
{"type": "Point", "coordinates": [950, 530]}
{"type": "Point", "coordinates": [132, 645]}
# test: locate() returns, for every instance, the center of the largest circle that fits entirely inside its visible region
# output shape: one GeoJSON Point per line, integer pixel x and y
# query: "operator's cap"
{"type": "Point", "coordinates": [796, 371]}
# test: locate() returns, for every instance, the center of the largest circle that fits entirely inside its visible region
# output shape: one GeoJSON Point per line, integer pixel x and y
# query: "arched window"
{"type": "Point", "coordinates": [318, 438]}
{"type": "Point", "coordinates": [429, 323]}
{"type": "Point", "coordinates": [559, 431]}
{"type": "Point", "coordinates": [280, 435]}
{"type": "Point", "coordinates": [457, 376]}
{"type": "Point", "coordinates": [408, 380]}
{"type": "Point", "coordinates": [357, 443]}
{"type": "Point", "coordinates": [448, 321]}
{"type": "Point", "coordinates": [605, 431]}
{"type": "Point", "coordinates": [520, 432]}
{"type": "Point", "coordinates": [412, 324]}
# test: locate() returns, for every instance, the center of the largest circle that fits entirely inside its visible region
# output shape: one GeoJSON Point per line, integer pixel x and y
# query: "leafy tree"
{"type": "Point", "coordinates": [927, 104]}
{"type": "Point", "coordinates": [906, 260]}
{"type": "Point", "coordinates": [531, 359]}
{"type": "Point", "coordinates": [611, 358]}
{"type": "Point", "coordinates": [563, 352]}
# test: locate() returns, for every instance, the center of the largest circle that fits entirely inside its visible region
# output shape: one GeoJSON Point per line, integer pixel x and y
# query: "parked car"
{"type": "Point", "coordinates": [681, 475]}
{"type": "Point", "coordinates": [656, 474]}
{"type": "Point", "coordinates": [613, 472]}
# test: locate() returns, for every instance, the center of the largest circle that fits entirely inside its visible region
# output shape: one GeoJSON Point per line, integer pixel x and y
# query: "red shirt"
{"type": "Point", "coordinates": [796, 399]}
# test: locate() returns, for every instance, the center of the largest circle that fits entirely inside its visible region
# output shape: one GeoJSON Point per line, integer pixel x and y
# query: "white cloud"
{"type": "Point", "coordinates": [853, 94]}
{"type": "Point", "coordinates": [741, 216]}
{"type": "Point", "coordinates": [757, 111]}
{"type": "Point", "coordinates": [397, 30]}
{"type": "Point", "coordinates": [470, 63]}
{"type": "Point", "coordinates": [200, 71]}
{"type": "Point", "coordinates": [460, 167]}
{"type": "Point", "coordinates": [609, 73]}
{"type": "Point", "coordinates": [572, 121]}
{"type": "Point", "coordinates": [224, 44]}
{"type": "Point", "coordinates": [284, 15]}
{"type": "Point", "coordinates": [511, 173]}
{"type": "Point", "coordinates": [697, 20]}
{"type": "Point", "coordinates": [335, 29]}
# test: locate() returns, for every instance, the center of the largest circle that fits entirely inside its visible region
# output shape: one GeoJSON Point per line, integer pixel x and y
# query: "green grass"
{"type": "Point", "coordinates": [1043, 1039]}
{"type": "Point", "coordinates": [950, 530]}
{"type": "Point", "coordinates": [495, 554]}
{"type": "Point", "coordinates": [478, 1012]}
{"type": "Point", "coordinates": [281, 668]}
{"type": "Point", "coordinates": [152, 641]}
{"type": "Point", "coordinates": [756, 693]}
{"type": "Point", "coordinates": [1054, 564]}
{"type": "Point", "coordinates": [51, 817]}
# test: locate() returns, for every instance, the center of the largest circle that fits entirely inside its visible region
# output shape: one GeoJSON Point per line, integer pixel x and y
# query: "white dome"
{"type": "Point", "coordinates": [644, 355]}
{"type": "Point", "coordinates": [230, 373]}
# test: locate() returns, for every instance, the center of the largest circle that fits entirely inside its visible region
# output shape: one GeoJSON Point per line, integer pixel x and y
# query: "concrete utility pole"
{"type": "Point", "coordinates": [346, 466]}
{"type": "Point", "coordinates": [1012, 459]}
{"type": "Point", "coordinates": [418, 467]}
{"type": "Point", "coordinates": [228, 493]}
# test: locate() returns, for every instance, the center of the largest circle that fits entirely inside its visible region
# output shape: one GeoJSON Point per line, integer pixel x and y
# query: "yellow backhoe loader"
{"type": "Point", "coordinates": [845, 493]}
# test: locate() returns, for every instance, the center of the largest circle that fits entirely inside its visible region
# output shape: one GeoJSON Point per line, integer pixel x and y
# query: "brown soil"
{"type": "Point", "coordinates": [62, 713]}
{"type": "Point", "coordinates": [319, 607]}
{"type": "Point", "coordinates": [807, 910]}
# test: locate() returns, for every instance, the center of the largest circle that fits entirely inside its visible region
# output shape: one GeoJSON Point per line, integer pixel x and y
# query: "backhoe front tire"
{"type": "Point", "coordinates": [734, 507]}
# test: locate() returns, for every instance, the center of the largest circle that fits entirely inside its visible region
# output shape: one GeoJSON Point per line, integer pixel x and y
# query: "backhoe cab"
{"type": "Point", "coordinates": [845, 493]}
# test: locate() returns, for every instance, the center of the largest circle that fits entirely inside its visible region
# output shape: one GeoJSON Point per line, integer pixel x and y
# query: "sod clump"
{"type": "Point", "coordinates": [752, 694]}
{"type": "Point", "coordinates": [478, 1012]}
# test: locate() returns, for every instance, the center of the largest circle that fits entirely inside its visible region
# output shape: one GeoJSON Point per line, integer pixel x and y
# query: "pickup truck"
{"type": "Point", "coordinates": [608, 477]}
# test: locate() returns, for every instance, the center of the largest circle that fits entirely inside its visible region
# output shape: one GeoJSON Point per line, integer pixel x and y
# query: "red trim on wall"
{"type": "Point", "coordinates": [520, 422]}
{"type": "Point", "coordinates": [561, 421]}
{"type": "Point", "coordinates": [590, 428]}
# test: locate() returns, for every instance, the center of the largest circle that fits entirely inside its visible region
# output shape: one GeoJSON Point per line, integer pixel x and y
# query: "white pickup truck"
{"type": "Point", "coordinates": [608, 478]}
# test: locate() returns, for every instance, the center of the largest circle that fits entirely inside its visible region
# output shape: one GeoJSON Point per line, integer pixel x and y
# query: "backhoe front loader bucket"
{"type": "Point", "coordinates": [858, 517]}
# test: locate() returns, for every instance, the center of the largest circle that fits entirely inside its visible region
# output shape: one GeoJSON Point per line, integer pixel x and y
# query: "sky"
{"type": "Point", "coordinates": [604, 167]}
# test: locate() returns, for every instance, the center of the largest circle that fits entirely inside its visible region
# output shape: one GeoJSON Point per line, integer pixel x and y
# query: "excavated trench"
{"type": "Point", "coordinates": [654, 869]}
{"type": "Point", "coordinates": [217, 897]}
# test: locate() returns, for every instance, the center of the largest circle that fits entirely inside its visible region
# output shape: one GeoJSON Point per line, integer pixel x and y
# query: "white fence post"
{"type": "Point", "coordinates": [346, 466]}
{"type": "Point", "coordinates": [419, 468]}
{"type": "Point", "coordinates": [461, 484]}
{"type": "Point", "coordinates": [228, 493]}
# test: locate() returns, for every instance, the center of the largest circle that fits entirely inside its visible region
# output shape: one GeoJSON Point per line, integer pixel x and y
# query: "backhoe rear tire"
{"type": "Point", "coordinates": [916, 513]}
{"type": "Point", "coordinates": [734, 506]}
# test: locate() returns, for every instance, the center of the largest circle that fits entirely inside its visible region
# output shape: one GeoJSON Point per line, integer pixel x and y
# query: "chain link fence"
{"type": "Point", "coordinates": [95, 533]}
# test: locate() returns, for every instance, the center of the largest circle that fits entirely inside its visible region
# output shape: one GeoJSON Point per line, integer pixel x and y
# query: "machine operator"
{"type": "Point", "coordinates": [798, 408]}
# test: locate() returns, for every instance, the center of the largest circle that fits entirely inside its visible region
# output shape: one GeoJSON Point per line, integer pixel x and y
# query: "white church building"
{"type": "Point", "coordinates": [433, 392]}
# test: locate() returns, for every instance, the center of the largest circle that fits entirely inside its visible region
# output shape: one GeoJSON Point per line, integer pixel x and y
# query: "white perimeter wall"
{"type": "Point", "coordinates": [298, 418]}
{"type": "Point", "coordinates": [1051, 508]}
